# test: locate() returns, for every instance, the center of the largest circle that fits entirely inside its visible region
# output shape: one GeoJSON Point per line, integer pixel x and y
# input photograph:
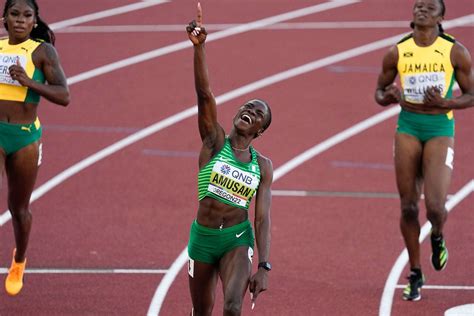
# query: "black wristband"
{"type": "Point", "coordinates": [265, 265]}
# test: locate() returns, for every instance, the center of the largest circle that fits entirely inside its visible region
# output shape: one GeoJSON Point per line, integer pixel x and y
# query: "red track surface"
{"type": "Point", "coordinates": [331, 255]}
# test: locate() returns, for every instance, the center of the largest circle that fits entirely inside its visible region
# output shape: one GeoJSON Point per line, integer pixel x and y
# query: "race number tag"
{"type": "Point", "coordinates": [7, 60]}
{"type": "Point", "coordinates": [414, 86]}
{"type": "Point", "coordinates": [449, 158]}
{"type": "Point", "coordinates": [191, 268]}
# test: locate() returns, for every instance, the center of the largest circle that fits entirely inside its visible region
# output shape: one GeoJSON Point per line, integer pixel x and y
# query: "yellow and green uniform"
{"type": "Point", "coordinates": [13, 137]}
{"type": "Point", "coordinates": [420, 68]}
{"type": "Point", "coordinates": [10, 89]}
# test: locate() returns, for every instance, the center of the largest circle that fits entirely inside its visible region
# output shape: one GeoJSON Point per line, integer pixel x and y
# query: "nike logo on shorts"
{"type": "Point", "coordinates": [238, 235]}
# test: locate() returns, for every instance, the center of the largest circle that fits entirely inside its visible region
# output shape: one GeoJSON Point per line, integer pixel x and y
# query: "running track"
{"type": "Point", "coordinates": [109, 232]}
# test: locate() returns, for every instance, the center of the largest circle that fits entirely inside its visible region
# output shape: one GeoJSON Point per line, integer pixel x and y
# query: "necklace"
{"type": "Point", "coordinates": [239, 149]}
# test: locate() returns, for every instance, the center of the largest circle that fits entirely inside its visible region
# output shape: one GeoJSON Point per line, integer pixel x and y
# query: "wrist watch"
{"type": "Point", "coordinates": [265, 265]}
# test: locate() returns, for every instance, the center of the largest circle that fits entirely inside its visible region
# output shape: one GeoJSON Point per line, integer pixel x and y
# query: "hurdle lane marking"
{"type": "Point", "coordinates": [397, 269]}
{"type": "Point", "coordinates": [178, 117]}
{"type": "Point", "coordinates": [163, 287]}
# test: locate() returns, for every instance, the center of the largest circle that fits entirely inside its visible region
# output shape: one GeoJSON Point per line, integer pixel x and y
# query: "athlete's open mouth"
{"type": "Point", "coordinates": [246, 118]}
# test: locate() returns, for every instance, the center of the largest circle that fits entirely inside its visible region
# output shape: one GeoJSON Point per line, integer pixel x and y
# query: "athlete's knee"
{"type": "Point", "coordinates": [410, 211]}
{"type": "Point", "coordinates": [232, 305]}
{"type": "Point", "coordinates": [435, 206]}
{"type": "Point", "coordinates": [436, 213]}
{"type": "Point", "coordinates": [21, 214]}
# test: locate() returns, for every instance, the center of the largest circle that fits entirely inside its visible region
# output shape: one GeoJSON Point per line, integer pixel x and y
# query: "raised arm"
{"type": "Point", "coordinates": [258, 282]}
{"type": "Point", "coordinates": [387, 92]}
{"type": "Point", "coordinates": [211, 132]}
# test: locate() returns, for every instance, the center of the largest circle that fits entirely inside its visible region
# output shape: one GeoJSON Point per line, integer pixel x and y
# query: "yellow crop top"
{"type": "Point", "coordinates": [10, 89]}
{"type": "Point", "coordinates": [423, 67]}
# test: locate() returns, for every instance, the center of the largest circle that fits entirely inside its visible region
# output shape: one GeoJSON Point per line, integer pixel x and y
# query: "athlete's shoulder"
{"type": "Point", "coordinates": [447, 37]}
{"type": "Point", "coordinates": [264, 161]}
{"type": "Point", "coordinates": [405, 38]}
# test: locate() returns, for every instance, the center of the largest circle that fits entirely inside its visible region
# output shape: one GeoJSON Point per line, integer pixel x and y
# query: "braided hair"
{"type": "Point", "coordinates": [41, 31]}
{"type": "Point", "coordinates": [443, 11]}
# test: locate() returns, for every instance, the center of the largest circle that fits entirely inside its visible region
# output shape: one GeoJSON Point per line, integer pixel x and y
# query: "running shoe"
{"type": "Point", "coordinates": [14, 280]}
{"type": "Point", "coordinates": [412, 291]}
{"type": "Point", "coordinates": [439, 257]}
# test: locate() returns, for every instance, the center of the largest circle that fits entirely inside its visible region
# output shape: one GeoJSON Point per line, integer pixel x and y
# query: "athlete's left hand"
{"type": "Point", "coordinates": [258, 283]}
{"type": "Point", "coordinates": [433, 98]}
{"type": "Point", "coordinates": [18, 73]}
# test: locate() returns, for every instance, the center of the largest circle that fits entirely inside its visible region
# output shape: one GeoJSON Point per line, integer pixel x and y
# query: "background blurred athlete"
{"type": "Point", "coordinates": [29, 68]}
{"type": "Point", "coordinates": [428, 62]}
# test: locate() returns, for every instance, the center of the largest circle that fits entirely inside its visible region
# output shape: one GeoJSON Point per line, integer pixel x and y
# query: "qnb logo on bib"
{"type": "Point", "coordinates": [414, 86]}
{"type": "Point", "coordinates": [7, 60]}
{"type": "Point", "coordinates": [232, 184]}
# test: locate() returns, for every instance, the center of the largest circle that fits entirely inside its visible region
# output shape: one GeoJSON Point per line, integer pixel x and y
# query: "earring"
{"type": "Point", "coordinates": [35, 26]}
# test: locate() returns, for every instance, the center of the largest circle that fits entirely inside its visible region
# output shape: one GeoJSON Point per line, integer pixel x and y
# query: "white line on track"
{"type": "Point", "coordinates": [212, 37]}
{"type": "Point", "coordinates": [106, 13]}
{"type": "Point", "coordinates": [177, 265]}
{"type": "Point", "coordinates": [59, 26]}
{"type": "Point", "coordinates": [219, 27]}
{"type": "Point", "coordinates": [61, 177]}
{"type": "Point", "coordinates": [397, 269]}
{"type": "Point", "coordinates": [442, 287]}
{"type": "Point", "coordinates": [89, 271]}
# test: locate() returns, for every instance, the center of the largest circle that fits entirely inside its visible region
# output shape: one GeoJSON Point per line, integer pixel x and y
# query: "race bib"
{"type": "Point", "coordinates": [414, 86]}
{"type": "Point", "coordinates": [232, 184]}
{"type": "Point", "coordinates": [7, 60]}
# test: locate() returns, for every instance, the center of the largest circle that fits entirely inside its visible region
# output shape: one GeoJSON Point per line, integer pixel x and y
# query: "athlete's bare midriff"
{"type": "Point", "coordinates": [17, 112]}
{"type": "Point", "coordinates": [214, 214]}
{"type": "Point", "coordinates": [420, 109]}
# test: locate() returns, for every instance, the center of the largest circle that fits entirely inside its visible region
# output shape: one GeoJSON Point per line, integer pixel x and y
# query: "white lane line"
{"type": "Point", "coordinates": [61, 177]}
{"type": "Point", "coordinates": [212, 37]}
{"type": "Point", "coordinates": [442, 287]}
{"type": "Point", "coordinates": [89, 271]}
{"type": "Point", "coordinates": [339, 194]}
{"type": "Point", "coordinates": [181, 260]}
{"type": "Point", "coordinates": [106, 13]}
{"type": "Point", "coordinates": [219, 27]}
{"type": "Point", "coordinates": [397, 269]}
{"type": "Point", "coordinates": [59, 26]}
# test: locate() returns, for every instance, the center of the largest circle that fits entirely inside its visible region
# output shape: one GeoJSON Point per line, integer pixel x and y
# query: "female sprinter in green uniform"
{"type": "Point", "coordinates": [231, 172]}
{"type": "Point", "coordinates": [428, 62]}
{"type": "Point", "coordinates": [27, 60]}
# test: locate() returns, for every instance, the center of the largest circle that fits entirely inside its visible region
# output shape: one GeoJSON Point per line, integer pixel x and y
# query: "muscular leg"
{"type": "Point", "coordinates": [235, 268]}
{"type": "Point", "coordinates": [408, 153]}
{"type": "Point", "coordinates": [437, 175]}
{"type": "Point", "coordinates": [21, 168]}
{"type": "Point", "coordinates": [203, 288]}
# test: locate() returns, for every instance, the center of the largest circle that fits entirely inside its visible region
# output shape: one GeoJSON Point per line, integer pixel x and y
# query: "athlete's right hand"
{"type": "Point", "coordinates": [391, 94]}
{"type": "Point", "coordinates": [196, 31]}
{"type": "Point", "coordinates": [257, 284]}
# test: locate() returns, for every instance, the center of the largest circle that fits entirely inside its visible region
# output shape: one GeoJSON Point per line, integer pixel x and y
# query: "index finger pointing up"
{"type": "Point", "coordinates": [199, 14]}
